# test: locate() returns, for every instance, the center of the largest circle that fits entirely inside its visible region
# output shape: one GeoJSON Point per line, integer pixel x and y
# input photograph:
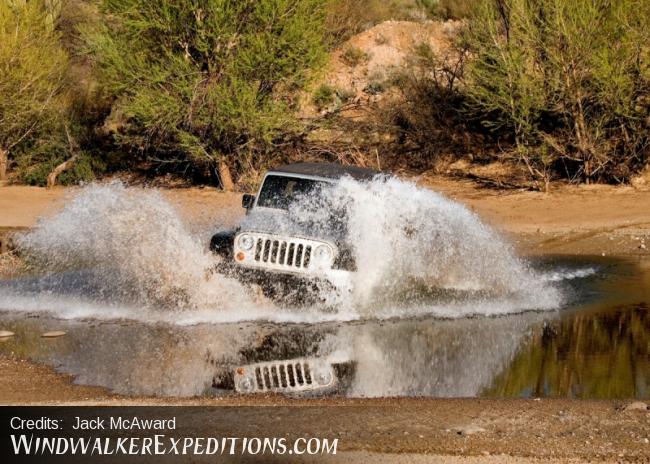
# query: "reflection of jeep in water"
{"type": "Point", "coordinates": [286, 360]}
{"type": "Point", "coordinates": [285, 254]}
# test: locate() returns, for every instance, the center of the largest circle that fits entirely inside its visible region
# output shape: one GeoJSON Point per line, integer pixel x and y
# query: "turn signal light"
{"type": "Point", "coordinates": [240, 256]}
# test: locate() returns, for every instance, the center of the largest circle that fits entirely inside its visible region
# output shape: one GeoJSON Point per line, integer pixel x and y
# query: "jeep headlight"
{"type": "Point", "coordinates": [245, 384]}
{"type": "Point", "coordinates": [245, 242]}
{"type": "Point", "coordinates": [323, 375]}
{"type": "Point", "coordinates": [323, 253]}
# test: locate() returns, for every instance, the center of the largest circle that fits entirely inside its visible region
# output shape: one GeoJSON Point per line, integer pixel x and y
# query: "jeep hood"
{"type": "Point", "coordinates": [281, 222]}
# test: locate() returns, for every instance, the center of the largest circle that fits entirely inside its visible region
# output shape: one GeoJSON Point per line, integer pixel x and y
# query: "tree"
{"type": "Point", "coordinates": [206, 83]}
{"type": "Point", "coordinates": [569, 80]}
{"type": "Point", "coordinates": [33, 66]}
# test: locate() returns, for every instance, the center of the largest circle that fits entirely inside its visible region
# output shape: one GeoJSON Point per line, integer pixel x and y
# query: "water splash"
{"type": "Point", "coordinates": [563, 273]}
{"type": "Point", "coordinates": [118, 252]}
{"type": "Point", "coordinates": [127, 245]}
{"type": "Point", "coordinates": [412, 244]}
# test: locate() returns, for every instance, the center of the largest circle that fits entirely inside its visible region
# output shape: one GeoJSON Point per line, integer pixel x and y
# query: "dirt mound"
{"type": "Point", "coordinates": [361, 69]}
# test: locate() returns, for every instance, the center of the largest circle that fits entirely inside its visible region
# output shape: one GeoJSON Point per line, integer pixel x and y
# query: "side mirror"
{"type": "Point", "coordinates": [247, 201]}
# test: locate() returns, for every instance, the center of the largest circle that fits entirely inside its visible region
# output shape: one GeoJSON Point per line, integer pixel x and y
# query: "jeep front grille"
{"type": "Point", "coordinates": [294, 375]}
{"type": "Point", "coordinates": [287, 254]}
{"type": "Point", "coordinates": [283, 253]}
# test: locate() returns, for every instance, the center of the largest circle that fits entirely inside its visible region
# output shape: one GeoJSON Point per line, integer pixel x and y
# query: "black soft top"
{"type": "Point", "coordinates": [327, 170]}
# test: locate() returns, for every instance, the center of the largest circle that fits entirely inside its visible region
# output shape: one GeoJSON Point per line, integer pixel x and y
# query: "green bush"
{"type": "Point", "coordinates": [569, 82]}
{"type": "Point", "coordinates": [34, 103]}
{"type": "Point", "coordinates": [447, 9]}
{"type": "Point", "coordinates": [346, 18]}
{"type": "Point", "coordinates": [36, 162]}
{"type": "Point", "coordinates": [206, 82]}
{"type": "Point", "coordinates": [324, 96]}
{"type": "Point", "coordinates": [354, 56]}
{"type": "Point", "coordinates": [82, 171]}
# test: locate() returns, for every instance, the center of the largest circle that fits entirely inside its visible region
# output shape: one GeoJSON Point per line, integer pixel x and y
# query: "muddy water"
{"type": "Point", "coordinates": [596, 346]}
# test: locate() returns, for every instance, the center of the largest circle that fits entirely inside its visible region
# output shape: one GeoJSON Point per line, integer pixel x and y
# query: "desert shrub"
{"type": "Point", "coordinates": [428, 118]}
{"type": "Point", "coordinates": [354, 56]}
{"type": "Point", "coordinates": [34, 103]}
{"type": "Point", "coordinates": [34, 169]}
{"type": "Point", "coordinates": [568, 82]}
{"type": "Point", "coordinates": [205, 83]}
{"type": "Point", "coordinates": [447, 9]}
{"type": "Point", "coordinates": [375, 87]}
{"type": "Point", "coordinates": [346, 18]}
{"type": "Point", "coordinates": [326, 95]}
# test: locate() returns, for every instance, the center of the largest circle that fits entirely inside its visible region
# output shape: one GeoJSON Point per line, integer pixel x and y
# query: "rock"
{"type": "Point", "coordinates": [6, 334]}
{"type": "Point", "coordinates": [469, 430]}
{"type": "Point", "coordinates": [636, 406]}
{"type": "Point", "coordinates": [53, 334]}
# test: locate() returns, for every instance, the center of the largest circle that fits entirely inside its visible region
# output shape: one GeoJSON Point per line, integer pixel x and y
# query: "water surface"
{"type": "Point", "coordinates": [597, 345]}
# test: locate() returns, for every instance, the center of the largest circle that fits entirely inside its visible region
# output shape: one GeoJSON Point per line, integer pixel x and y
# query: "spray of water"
{"type": "Point", "coordinates": [412, 244]}
{"type": "Point", "coordinates": [417, 253]}
{"type": "Point", "coordinates": [128, 245]}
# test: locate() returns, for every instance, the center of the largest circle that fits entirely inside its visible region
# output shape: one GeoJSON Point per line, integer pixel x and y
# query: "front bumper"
{"type": "Point", "coordinates": [334, 278]}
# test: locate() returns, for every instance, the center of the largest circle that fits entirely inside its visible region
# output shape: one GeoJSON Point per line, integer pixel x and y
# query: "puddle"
{"type": "Point", "coordinates": [597, 345]}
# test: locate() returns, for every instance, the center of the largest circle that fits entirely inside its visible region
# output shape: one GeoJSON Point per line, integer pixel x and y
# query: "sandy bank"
{"type": "Point", "coordinates": [570, 220]}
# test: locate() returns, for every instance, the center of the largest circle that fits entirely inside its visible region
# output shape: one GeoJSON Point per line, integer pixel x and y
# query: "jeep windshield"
{"type": "Point", "coordinates": [316, 211]}
{"type": "Point", "coordinates": [281, 191]}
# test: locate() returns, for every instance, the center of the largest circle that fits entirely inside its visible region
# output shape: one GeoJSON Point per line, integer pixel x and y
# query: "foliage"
{"type": "Point", "coordinates": [34, 103]}
{"type": "Point", "coordinates": [205, 81]}
{"type": "Point", "coordinates": [562, 87]}
{"type": "Point", "coordinates": [326, 95]}
{"type": "Point", "coordinates": [569, 81]}
{"type": "Point", "coordinates": [447, 9]}
{"type": "Point", "coordinates": [346, 18]}
{"type": "Point", "coordinates": [428, 118]}
{"type": "Point", "coordinates": [34, 165]}
{"type": "Point", "coordinates": [354, 56]}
